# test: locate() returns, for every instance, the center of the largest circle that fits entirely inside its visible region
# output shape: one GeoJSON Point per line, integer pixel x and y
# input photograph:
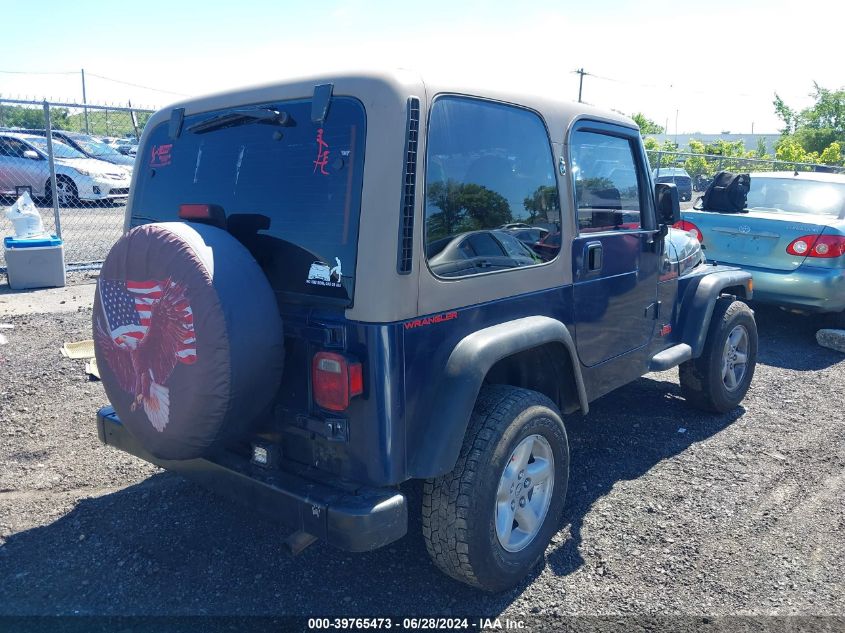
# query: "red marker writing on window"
{"type": "Point", "coordinates": [322, 154]}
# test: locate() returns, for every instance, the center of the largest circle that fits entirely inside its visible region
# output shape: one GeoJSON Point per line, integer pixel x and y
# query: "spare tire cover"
{"type": "Point", "coordinates": [188, 337]}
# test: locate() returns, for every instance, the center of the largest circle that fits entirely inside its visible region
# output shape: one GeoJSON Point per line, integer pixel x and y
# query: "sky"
{"type": "Point", "coordinates": [708, 67]}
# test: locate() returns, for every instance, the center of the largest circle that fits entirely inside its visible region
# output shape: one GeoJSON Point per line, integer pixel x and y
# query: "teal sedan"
{"type": "Point", "coordinates": [790, 236]}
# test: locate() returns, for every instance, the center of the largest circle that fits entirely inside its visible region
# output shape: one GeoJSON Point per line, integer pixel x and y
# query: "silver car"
{"type": "Point", "coordinates": [24, 165]}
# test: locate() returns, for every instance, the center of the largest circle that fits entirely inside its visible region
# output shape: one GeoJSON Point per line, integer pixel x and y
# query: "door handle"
{"type": "Point", "coordinates": [594, 256]}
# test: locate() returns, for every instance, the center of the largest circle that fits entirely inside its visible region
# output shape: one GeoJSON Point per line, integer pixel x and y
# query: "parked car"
{"type": "Point", "coordinates": [791, 237]}
{"type": "Point", "coordinates": [126, 146]}
{"type": "Point", "coordinates": [24, 163]}
{"type": "Point", "coordinates": [548, 246]}
{"type": "Point", "coordinates": [529, 235]}
{"type": "Point", "coordinates": [311, 393]}
{"type": "Point", "coordinates": [515, 225]}
{"type": "Point", "coordinates": [701, 182]}
{"type": "Point", "coordinates": [679, 177]}
{"type": "Point", "coordinates": [91, 146]}
{"type": "Point", "coordinates": [481, 251]}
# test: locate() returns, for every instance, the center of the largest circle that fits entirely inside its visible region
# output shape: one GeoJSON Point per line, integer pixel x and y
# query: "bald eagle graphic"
{"type": "Point", "coordinates": [144, 330]}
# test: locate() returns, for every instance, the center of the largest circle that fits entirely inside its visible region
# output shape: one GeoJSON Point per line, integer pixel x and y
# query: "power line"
{"type": "Point", "coordinates": [127, 83]}
{"type": "Point", "coordinates": [76, 72]}
{"type": "Point", "coordinates": [36, 72]}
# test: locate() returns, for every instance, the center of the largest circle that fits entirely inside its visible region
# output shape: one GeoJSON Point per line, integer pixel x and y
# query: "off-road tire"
{"type": "Point", "coordinates": [458, 508]}
{"type": "Point", "coordinates": [701, 378]}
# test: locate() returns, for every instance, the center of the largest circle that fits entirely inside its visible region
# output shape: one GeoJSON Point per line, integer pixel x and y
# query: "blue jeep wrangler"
{"type": "Point", "coordinates": [330, 287]}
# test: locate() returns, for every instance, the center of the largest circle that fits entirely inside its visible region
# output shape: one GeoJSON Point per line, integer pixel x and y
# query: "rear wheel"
{"type": "Point", "coordinates": [488, 522]}
{"type": "Point", "coordinates": [66, 191]}
{"type": "Point", "coordinates": [719, 379]}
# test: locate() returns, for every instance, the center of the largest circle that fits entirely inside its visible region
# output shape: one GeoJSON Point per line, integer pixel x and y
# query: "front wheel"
{"type": "Point", "coordinates": [488, 522]}
{"type": "Point", "coordinates": [719, 379]}
{"type": "Point", "coordinates": [66, 191]}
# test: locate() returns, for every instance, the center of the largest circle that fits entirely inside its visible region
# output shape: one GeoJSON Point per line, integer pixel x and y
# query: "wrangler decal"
{"type": "Point", "coordinates": [439, 318]}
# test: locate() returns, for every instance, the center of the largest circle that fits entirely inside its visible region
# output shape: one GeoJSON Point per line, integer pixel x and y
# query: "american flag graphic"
{"type": "Point", "coordinates": [128, 308]}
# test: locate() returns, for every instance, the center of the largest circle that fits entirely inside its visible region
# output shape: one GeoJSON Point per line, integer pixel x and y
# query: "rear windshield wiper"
{"type": "Point", "coordinates": [240, 117]}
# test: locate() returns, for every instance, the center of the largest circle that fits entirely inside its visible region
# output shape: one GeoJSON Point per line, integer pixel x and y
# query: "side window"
{"type": "Point", "coordinates": [12, 147]}
{"type": "Point", "coordinates": [490, 178]}
{"type": "Point", "coordinates": [607, 192]}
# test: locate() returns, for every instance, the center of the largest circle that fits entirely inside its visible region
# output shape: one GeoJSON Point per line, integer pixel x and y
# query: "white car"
{"type": "Point", "coordinates": [24, 165]}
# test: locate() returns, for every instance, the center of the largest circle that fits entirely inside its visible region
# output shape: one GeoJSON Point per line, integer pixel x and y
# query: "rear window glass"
{"type": "Point", "coordinates": [291, 193]}
{"type": "Point", "coordinates": [795, 195]}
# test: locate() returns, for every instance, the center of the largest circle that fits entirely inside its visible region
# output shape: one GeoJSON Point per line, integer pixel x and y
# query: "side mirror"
{"type": "Point", "coordinates": [31, 154]}
{"type": "Point", "coordinates": [668, 203]}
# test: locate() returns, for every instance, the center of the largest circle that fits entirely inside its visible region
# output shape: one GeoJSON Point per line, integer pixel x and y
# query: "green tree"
{"type": "Point", "coordinates": [790, 150]}
{"type": "Point", "coordinates": [832, 154]}
{"type": "Point", "coordinates": [818, 126]}
{"type": "Point", "coordinates": [647, 126]}
{"type": "Point", "coordinates": [19, 116]}
{"type": "Point", "coordinates": [543, 205]}
{"type": "Point", "coordinates": [464, 207]}
{"type": "Point", "coordinates": [785, 114]}
{"type": "Point", "coordinates": [697, 166]}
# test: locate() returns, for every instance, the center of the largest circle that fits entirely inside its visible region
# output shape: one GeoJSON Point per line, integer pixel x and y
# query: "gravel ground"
{"type": "Point", "coordinates": [669, 511]}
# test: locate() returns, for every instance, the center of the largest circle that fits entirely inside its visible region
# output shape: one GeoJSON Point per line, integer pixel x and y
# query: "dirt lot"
{"type": "Point", "coordinates": [669, 511]}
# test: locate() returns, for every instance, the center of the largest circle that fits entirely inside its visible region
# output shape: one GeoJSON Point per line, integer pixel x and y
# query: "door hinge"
{"type": "Point", "coordinates": [653, 311]}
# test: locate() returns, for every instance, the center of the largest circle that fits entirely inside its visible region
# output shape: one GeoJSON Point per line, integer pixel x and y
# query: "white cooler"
{"type": "Point", "coordinates": [34, 263]}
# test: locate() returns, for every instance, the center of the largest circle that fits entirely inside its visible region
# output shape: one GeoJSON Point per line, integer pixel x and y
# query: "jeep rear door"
{"type": "Point", "coordinates": [615, 256]}
{"type": "Point", "coordinates": [291, 191]}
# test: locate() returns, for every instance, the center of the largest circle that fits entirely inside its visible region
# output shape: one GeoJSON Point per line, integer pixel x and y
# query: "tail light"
{"type": "Point", "coordinates": [335, 380]}
{"type": "Point", "coordinates": [689, 227]}
{"type": "Point", "coordinates": [206, 213]}
{"type": "Point", "coordinates": [824, 246]}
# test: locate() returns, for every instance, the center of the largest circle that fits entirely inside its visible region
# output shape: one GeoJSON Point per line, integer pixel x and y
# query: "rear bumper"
{"type": "Point", "coordinates": [354, 520]}
{"type": "Point", "coordinates": [805, 288]}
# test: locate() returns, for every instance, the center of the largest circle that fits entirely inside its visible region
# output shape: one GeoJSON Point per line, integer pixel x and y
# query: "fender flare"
{"type": "Point", "coordinates": [464, 375]}
{"type": "Point", "coordinates": [700, 299]}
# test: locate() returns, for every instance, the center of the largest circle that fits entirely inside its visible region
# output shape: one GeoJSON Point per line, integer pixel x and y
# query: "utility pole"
{"type": "Point", "coordinates": [581, 72]}
{"type": "Point", "coordinates": [134, 118]}
{"type": "Point", "coordinates": [676, 127]}
{"type": "Point", "coordinates": [84, 102]}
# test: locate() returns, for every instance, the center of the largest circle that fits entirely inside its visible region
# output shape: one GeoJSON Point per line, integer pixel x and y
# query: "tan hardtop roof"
{"type": "Point", "coordinates": [381, 293]}
{"type": "Point", "coordinates": [357, 83]}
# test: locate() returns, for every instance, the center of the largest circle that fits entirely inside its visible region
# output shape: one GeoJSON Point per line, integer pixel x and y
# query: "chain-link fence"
{"type": "Point", "coordinates": [700, 168]}
{"type": "Point", "coordinates": [76, 162]}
